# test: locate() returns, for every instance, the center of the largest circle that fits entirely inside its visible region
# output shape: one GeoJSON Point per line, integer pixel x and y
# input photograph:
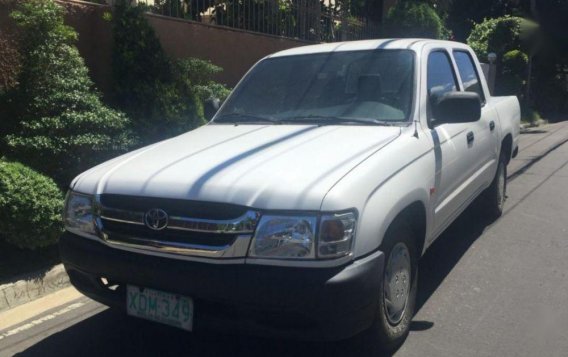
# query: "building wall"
{"type": "Point", "coordinates": [232, 49]}
{"type": "Point", "coordinates": [95, 39]}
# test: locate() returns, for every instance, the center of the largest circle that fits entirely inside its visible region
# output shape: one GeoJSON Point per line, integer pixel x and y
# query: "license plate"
{"type": "Point", "coordinates": [159, 306]}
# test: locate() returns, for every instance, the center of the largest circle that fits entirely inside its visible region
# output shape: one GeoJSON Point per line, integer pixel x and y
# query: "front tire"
{"type": "Point", "coordinates": [496, 194]}
{"type": "Point", "coordinates": [398, 289]}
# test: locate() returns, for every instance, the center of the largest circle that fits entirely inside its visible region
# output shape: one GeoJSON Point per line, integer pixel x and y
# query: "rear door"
{"type": "Point", "coordinates": [485, 144]}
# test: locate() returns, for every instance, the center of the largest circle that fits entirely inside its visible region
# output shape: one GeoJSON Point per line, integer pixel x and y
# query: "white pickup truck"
{"type": "Point", "coordinates": [301, 210]}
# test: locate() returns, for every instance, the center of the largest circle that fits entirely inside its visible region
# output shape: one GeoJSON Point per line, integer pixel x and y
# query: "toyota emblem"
{"type": "Point", "coordinates": [156, 219]}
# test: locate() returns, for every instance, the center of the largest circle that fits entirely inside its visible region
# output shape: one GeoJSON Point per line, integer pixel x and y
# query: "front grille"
{"type": "Point", "coordinates": [174, 207]}
{"type": "Point", "coordinates": [193, 228]}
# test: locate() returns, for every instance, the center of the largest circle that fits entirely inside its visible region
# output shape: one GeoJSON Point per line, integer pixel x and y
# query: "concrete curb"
{"type": "Point", "coordinates": [32, 286]}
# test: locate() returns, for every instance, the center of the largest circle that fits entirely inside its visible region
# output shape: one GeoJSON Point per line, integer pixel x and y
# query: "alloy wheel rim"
{"type": "Point", "coordinates": [397, 283]}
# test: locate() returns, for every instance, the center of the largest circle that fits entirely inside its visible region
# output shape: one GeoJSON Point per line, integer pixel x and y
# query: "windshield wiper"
{"type": "Point", "coordinates": [245, 118]}
{"type": "Point", "coordinates": [330, 120]}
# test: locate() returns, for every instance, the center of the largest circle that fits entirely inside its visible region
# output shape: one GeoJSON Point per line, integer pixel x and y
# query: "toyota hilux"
{"type": "Point", "coordinates": [302, 208]}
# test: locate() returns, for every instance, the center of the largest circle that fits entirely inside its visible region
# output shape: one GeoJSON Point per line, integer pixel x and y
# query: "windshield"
{"type": "Point", "coordinates": [358, 87]}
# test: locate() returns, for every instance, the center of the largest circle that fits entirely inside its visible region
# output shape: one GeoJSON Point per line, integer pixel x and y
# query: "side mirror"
{"type": "Point", "coordinates": [456, 107]}
{"type": "Point", "coordinates": [210, 107]}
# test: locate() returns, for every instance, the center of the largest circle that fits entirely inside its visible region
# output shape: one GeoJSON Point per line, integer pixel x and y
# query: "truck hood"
{"type": "Point", "coordinates": [266, 167]}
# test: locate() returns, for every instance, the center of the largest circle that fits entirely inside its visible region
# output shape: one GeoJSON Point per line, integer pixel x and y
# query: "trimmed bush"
{"type": "Point", "coordinates": [515, 61]}
{"type": "Point", "coordinates": [513, 73]}
{"type": "Point", "coordinates": [30, 206]}
{"type": "Point", "coordinates": [499, 35]}
{"type": "Point", "coordinates": [141, 71]}
{"type": "Point", "coordinates": [411, 18]}
{"type": "Point", "coordinates": [193, 77]}
{"type": "Point", "coordinates": [60, 126]}
{"type": "Point", "coordinates": [162, 96]}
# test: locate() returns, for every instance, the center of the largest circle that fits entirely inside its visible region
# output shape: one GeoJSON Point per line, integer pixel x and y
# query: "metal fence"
{"type": "Point", "coordinates": [309, 20]}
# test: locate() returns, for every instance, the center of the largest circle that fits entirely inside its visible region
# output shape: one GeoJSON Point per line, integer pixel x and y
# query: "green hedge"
{"type": "Point", "coordinates": [30, 206]}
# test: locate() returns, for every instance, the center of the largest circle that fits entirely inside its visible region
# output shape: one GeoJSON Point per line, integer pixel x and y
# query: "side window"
{"type": "Point", "coordinates": [468, 73]}
{"type": "Point", "coordinates": [441, 77]}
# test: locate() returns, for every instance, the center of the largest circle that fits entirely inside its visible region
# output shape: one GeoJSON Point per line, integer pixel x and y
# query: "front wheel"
{"type": "Point", "coordinates": [397, 295]}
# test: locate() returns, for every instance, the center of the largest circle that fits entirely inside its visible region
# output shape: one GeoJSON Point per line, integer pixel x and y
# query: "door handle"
{"type": "Point", "coordinates": [470, 137]}
{"type": "Point", "coordinates": [491, 125]}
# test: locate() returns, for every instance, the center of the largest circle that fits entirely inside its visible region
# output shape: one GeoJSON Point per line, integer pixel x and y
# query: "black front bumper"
{"type": "Point", "coordinates": [303, 303]}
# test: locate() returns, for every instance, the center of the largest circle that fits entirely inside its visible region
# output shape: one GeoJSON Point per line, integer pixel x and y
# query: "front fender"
{"type": "Point", "coordinates": [381, 211]}
{"type": "Point", "coordinates": [383, 186]}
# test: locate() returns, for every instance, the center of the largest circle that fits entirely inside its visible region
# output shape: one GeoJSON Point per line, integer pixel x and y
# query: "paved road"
{"type": "Point", "coordinates": [486, 288]}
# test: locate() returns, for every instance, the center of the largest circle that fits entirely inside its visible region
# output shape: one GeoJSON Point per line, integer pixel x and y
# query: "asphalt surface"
{"type": "Point", "coordinates": [486, 288]}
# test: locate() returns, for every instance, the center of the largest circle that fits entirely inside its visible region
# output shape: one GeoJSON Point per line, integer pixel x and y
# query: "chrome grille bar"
{"type": "Point", "coordinates": [236, 250]}
{"type": "Point", "coordinates": [244, 224]}
{"type": "Point", "coordinates": [122, 216]}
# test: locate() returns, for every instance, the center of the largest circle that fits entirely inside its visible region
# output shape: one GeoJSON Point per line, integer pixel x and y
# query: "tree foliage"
{"type": "Point", "coordinates": [30, 206]}
{"type": "Point", "coordinates": [411, 18]}
{"type": "Point", "coordinates": [57, 123]}
{"type": "Point", "coordinates": [9, 63]}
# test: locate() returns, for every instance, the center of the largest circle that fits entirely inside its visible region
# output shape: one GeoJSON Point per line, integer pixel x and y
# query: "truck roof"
{"type": "Point", "coordinates": [389, 43]}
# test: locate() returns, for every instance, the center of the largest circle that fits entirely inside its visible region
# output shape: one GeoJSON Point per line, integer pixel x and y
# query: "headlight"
{"type": "Point", "coordinates": [285, 237]}
{"type": "Point", "coordinates": [78, 215]}
{"type": "Point", "coordinates": [294, 237]}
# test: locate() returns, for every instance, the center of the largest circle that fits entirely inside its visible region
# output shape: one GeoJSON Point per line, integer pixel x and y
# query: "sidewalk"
{"type": "Point", "coordinates": [535, 143]}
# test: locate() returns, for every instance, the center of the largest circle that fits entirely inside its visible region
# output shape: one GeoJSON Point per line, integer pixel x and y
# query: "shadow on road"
{"type": "Point", "coordinates": [112, 334]}
{"type": "Point", "coordinates": [448, 249]}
